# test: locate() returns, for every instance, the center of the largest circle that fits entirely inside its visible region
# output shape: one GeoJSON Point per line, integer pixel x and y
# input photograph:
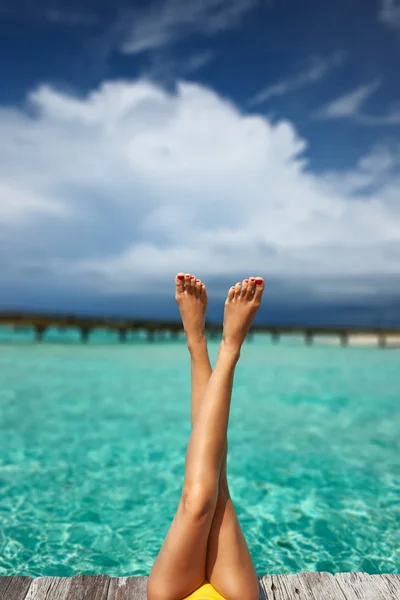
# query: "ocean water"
{"type": "Point", "coordinates": [92, 448]}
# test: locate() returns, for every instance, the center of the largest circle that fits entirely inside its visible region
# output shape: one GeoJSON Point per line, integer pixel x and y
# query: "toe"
{"type": "Point", "coordinates": [180, 283]}
{"type": "Point", "coordinates": [198, 287]}
{"type": "Point", "coordinates": [231, 293]}
{"type": "Point", "coordinates": [250, 288]}
{"type": "Point", "coordinates": [193, 283]}
{"type": "Point", "coordinates": [259, 289]}
{"type": "Point", "coordinates": [203, 290]}
{"type": "Point", "coordinates": [244, 288]}
{"type": "Point", "coordinates": [188, 285]}
{"type": "Point", "coordinates": [237, 289]}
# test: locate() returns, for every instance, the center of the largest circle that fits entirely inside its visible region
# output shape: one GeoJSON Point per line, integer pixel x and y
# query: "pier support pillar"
{"type": "Point", "coordinates": [40, 330]}
{"type": "Point", "coordinates": [382, 340]}
{"type": "Point", "coordinates": [276, 336]}
{"type": "Point", "coordinates": [150, 335]}
{"type": "Point", "coordinates": [344, 338]}
{"type": "Point", "coordinates": [173, 334]}
{"type": "Point", "coordinates": [214, 333]}
{"type": "Point", "coordinates": [122, 335]}
{"type": "Point", "coordinates": [85, 334]}
{"type": "Point", "coordinates": [309, 338]}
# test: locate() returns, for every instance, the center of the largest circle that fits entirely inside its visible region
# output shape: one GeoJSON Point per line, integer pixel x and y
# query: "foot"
{"type": "Point", "coordinates": [241, 305]}
{"type": "Point", "coordinates": [191, 297]}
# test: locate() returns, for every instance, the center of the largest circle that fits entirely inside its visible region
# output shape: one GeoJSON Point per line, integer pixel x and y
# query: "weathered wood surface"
{"type": "Point", "coordinates": [301, 586]}
{"type": "Point", "coordinates": [81, 587]}
{"type": "Point", "coordinates": [14, 588]}
{"type": "Point", "coordinates": [127, 588]}
{"type": "Point", "coordinates": [361, 586]}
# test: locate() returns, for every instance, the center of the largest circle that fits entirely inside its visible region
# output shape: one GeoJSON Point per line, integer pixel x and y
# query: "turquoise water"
{"type": "Point", "coordinates": [92, 444]}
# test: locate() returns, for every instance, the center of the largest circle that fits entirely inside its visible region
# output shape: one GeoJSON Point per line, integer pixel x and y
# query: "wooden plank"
{"type": "Point", "coordinates": [14, 588]}
{"type": "Point", "coordinates": [390, 584]}
{"type": "Point", "coordinates": [301, 586]}
{"type": "Point", "coordinates": [89, 587]}
{"type": "Point", "coordinates": [49, 588]}
{"type": "Point", "coordinates": [128, 588]}
{"type": "Point", "coordinates": [80, 587]}
{"type": "Point", "coordinates": [321, 586]}
{"type": "Point", "coordinates": [267, 586]}
{"type": "Point", "coordinates": [361, 586]}
{"type": "Point", "coordinates": [306, 586]}
{"type": "Point", "coordinates": [288, 587]}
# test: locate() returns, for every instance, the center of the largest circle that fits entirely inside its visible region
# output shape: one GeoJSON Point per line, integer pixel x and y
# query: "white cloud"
{"type": "Point", "coordinates": [197, 61]}
{"type": "Point", "coordinates": [166, 68]}
{"type": "Point", "coordinates": [372, 171]}
{"type": "Point", "coordinates": [148, 183]}
{"type": "Point", "coordinates": [168, 21]}
{"type": "Point", "coordinates": [349, 104]}
{"type": "Point", "coordinates": [392, 117]}
{"type": "Point", "coordinates": [389, 13]}
{"type": "Point", "coordinates": [318, 68]}
{"type": "Point", "coordinates": [19, 204]}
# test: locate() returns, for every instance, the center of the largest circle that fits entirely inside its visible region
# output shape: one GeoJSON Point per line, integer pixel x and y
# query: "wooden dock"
{"type": "Point", "coordinates": [302, 586]}
{"type": "Point", "coordinates": [41, 323]}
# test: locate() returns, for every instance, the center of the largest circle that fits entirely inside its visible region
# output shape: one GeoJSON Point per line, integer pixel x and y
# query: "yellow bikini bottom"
{"type": "Point", "coordinates": [205, 592]}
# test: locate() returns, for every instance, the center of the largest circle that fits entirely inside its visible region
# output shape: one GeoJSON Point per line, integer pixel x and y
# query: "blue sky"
{"type": "Point", "coordinates": [226, 138]}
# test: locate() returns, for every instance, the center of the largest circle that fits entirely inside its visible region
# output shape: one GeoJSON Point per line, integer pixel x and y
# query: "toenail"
{"type": "Point", "coordinates": [246, 281]}
{"type": "Point", "coordinates": [181, 277]}
{"type": "Point", "coordinates": [258, 281]}
{"type": "Point", "coordinates": [198, 280]}
{"type": "Point", "coordinates": [252, 279]}
{"type": "Point", "coordinates": [193, 277]}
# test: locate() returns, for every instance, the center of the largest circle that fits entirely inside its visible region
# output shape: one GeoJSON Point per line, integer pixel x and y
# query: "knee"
{"type": "Point", "coordinates": [198, 502]}
{"type": "Point", "coordinates": [223, 490]}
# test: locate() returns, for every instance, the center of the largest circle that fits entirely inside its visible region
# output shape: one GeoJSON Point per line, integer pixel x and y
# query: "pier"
{"type": "Point", "coordinates": [302, 586]}
{"type": "Point", "coordinates": [41, 323]}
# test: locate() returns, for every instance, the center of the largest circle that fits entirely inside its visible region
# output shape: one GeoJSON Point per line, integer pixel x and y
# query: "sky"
{"type": "Point", "coordinates": [225, 138]}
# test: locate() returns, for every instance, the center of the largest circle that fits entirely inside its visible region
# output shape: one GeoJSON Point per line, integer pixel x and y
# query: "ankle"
{"type": "Point", "coordinates": [229, 350]}
{"type": "Point", "coordinates": [197, 344]}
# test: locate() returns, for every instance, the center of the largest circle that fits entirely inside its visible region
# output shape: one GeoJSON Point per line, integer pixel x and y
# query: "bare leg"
{"type": "Point", "coordinates": [181, 564]}
{"type": "Point", "coordinates": [229, 565]}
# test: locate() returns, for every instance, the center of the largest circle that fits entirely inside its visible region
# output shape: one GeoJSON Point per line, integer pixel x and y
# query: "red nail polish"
{"type": "Point", "coordinates": [258, 281]}
{"type": "Point", "coordinates": [246, 281]}
{"type": "Point", "coordinates": [252, 279]}
{"type": "Point", "coordinates": [180, 277]}
{"type": "Point", "coordinates": [193, 277]}
{"type": "Point", "coordinates": [197, 280]}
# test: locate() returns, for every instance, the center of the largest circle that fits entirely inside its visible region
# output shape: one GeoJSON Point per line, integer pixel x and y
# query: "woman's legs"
{"type": "Point", "coordinates": [181, 564]}
{"type": "Point", "coordinates": [228, 566]}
